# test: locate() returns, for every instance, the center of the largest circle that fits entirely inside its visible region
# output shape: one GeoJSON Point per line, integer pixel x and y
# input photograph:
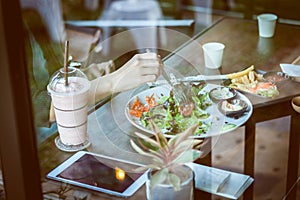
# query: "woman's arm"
{"type": "Point", "coordinates": [140, 69]}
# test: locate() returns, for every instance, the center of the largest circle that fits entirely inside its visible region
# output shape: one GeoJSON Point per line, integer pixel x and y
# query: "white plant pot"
{"type": "Point", "coordinates": [167, 192]}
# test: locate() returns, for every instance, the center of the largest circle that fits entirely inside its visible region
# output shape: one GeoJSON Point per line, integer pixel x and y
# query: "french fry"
{"type": "Point", "coordinates": [245, 79]}
{"type": "Point", "coordinates": [241, 73]}
{"type": "Point", "coordinates": [252, 76]}
{"type": "Point", "coordinates": [259, 77]}
{"type": "Point", "coordinates": [250, 81]}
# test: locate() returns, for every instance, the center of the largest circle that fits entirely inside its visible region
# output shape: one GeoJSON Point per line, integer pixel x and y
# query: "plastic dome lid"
{"type": "Point", "coordinates": [77, 81]}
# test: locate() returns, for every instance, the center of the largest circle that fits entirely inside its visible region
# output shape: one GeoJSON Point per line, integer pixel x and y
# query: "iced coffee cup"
{"type": "Point", "coordinates": [70, 107]}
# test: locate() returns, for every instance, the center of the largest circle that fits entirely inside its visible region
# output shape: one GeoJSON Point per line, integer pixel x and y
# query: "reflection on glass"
{"type": "Point", "coordinates": [120, 174]}
{"type": "Point", "coordinates": [94, 171]}
{"type": "Point", "coordinates": [135, 10]}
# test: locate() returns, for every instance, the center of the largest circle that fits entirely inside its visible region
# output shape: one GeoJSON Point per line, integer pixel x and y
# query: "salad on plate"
{"type": "Point", "coordinates": [159, 105]}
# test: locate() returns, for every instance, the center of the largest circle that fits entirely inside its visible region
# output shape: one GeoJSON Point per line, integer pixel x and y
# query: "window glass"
{"type": "Point", "coordinates": [2, 191]}
{"type": "Point", "coordinates": [46, 32]}
{"type": "Point", "coordinates": [49, 23]}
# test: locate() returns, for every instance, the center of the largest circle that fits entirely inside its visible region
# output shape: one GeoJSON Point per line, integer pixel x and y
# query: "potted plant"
{"type": "Point", "coordinates": [169, 177]}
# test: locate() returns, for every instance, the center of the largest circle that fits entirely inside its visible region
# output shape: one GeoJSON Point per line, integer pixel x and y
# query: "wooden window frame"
{"type": "Point", "coordinates": [18, 145]}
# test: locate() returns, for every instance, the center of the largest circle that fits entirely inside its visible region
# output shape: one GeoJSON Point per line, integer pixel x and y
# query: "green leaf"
{"type": "Point", "coordinates": [147, 145]}
{"type": "Point", "coordinates": [139, 150]}
{"type": "Point", "coordinates": [172, 141]}
{"type": "Point", "coordinates": [187, 156]}
{"type": "Point", "coordinates": [152, 141]}
{"type": "Point", "coordinates": [184, 135]}
{"type": "Point", "coordinates": [156, 158]}
{"type": "Point", "coordinates": [157, 153]}
{"type": "Point", "coordinates": [174, 180]}
{"type": "Point", "coordinates": [154, 127]}
{"type": "Point", "coordinates": [158, 162]}
{"type": "Point", "coordinates": [159, 177]}
{"type": "Point", "coordinates": [162, 140]}
{"type": "Point", "coordinates": [186, 145]}
{"type": "Point", "coordinates": [153, 167]}
{"type": "Point", "coordinates": [228, 126]}
{"type": "Point", "coordinates": [146, 167]}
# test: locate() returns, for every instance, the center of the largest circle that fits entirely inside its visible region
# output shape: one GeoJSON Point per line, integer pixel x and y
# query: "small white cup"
{"type": "Point", "coordinates": [213, 54]}
{"type": "Point", "coordinates": [266, 25]}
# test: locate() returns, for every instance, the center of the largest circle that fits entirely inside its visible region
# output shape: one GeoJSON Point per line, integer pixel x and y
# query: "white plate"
{"type": "Point", "coordinates": [216, 117]}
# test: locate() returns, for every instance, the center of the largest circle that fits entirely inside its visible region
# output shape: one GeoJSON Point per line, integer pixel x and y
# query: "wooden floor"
{"type": "Point", "coordinates": [270, 161]}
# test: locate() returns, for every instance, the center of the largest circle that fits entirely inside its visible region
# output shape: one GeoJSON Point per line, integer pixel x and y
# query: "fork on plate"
{"type": "Point", "coordinates": [178, 92]}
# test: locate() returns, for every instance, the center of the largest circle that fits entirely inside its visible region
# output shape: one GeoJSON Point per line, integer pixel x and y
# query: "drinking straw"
{"type": "Point", "coordinates": [66, 62]}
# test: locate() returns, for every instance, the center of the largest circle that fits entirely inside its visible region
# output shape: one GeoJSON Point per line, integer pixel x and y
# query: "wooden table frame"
{"type": "Point", "coordinates": [274, 111]}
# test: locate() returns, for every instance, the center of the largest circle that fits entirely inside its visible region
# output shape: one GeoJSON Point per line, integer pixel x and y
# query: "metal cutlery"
{"type": "Point", "coordinates": [191, 79]}
{"type": "Point", "coordinates": [172, 81]}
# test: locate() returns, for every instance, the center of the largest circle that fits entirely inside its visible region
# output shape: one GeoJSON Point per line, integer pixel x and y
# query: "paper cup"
{"type": "Point", "coordinates": [213, 54]}
{"type": "Point", "coordinates": [266, 25]}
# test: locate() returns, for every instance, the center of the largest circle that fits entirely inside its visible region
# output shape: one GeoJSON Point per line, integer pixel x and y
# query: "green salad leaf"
{"type": "Point", "coordinates": [167, 117]}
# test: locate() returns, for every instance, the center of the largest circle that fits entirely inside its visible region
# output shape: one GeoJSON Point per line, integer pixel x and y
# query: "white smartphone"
{"type": "Point", "coordinates": [100, 173]}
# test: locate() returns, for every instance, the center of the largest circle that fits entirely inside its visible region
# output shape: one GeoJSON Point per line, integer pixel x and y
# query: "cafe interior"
{"type": "Point", "coordinates": [254, 152]}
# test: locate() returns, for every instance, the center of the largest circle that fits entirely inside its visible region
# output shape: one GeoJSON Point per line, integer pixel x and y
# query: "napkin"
{"type": "Point", "coordinates": [291, 69]}
{"type": "Point", "coordinates": [220, 182]}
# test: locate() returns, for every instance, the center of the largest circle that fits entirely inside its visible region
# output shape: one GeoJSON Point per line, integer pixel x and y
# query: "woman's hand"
{"type": "Point", "coordinates": [96, 70]}
{"type": "Point", "coordinates": [140, 69]}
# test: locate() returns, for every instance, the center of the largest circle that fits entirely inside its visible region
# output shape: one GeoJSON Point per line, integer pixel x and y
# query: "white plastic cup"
{"type": "Point", "coordinates": [266, 25]}
{"type": "Point", "coordinates": [73, 135]}
{"type": "Point", "coordinates": [71, 118]}
{"type": "Point", "coordinates": [213, 54]}
{"type": "Point", "coordinates": [71, 112]}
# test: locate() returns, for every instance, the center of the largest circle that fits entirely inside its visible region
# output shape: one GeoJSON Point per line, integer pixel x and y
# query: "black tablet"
{"type": "Point", "coordinates": [100, 173]}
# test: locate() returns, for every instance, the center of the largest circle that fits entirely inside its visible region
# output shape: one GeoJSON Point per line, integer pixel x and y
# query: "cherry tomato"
{"type": "Point", "coordinates": [186, 109]}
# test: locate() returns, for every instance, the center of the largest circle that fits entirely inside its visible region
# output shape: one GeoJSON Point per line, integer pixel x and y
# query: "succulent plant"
{"type": "Point", "coordinates": [167, 154]}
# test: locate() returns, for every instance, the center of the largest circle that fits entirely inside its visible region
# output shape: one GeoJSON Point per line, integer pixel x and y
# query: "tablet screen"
{"type": "Point", "coordinates": [100, 172]}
